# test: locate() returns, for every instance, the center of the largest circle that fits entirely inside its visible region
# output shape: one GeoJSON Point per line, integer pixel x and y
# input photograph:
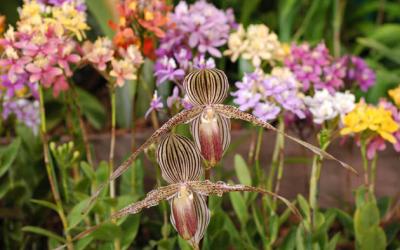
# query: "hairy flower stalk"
{"type": "Point", "coordinates": [206, 90]}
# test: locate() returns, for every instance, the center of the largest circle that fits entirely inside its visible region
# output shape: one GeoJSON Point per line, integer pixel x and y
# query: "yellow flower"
{"type": "Point", "coordinates": [395, 95]}
{"type": "Point", "coordinates": [2, 24]}
{"type": "Point", "coordinates": [368, 118]}
{"type": "Point", "coordinates": [71, 19]}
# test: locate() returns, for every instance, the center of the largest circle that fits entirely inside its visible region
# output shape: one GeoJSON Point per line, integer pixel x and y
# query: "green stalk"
{"type": "Point", "coordinates": [281, 153]}
{"type": "Point", "coordinates": [365, 162]}
{"type": "Point", "coordinates": [373, 174]}
{"type": "Point", "coordinates": [257, 155]}
{"type": "Point", "coordinates": [117, 243]}
{"type": "Point", "coordinates": [324, 140]}
{"type": "Point", "coordinates": [50, 170]}
{"type": "Point", "coordinates": [276, 155]}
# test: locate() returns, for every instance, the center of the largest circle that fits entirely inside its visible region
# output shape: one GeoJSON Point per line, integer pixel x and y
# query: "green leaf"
{"type": "Point", "coordinates": [242, 170]}
{"type": "Point", "coordinates": [393, 55]}
{"type": "Point", "coordinates": [365, 218]}
{"type": "Point", "coordinates": [43, 232]}
{"type": "Point", "coordinates": [107, 232]}
{"type": "Point", "coordinates": [374, 239]}
{"type": "Point", "coordinates": [103, 11]}
{"type": "Point", "coordinates": [239, 205]}
{"type": "Point", "coordinates": [8, 155]}
{"type": "Point", "coordinates": [248, 8]}
{"type": "Point", "coordinates": [300, 238]}
{"type": "Point", "coordinates": [388, 34]}
{"type": "Point", "coordinates": [384, 205]}
{"type": "Point", "coordinates": [92, 109]}
{"type": "Point", "coordinates": [345, 219]}
{"type": "Point", "coordinates": [88, 170]}
{"type": "Point", "coordinates": [45, 204]}
{"type": "Point", "coordinates": [76, 216]}
{"type": "Point", "coordinates": [130, 229]}
{"type": "Point", "coordinates": [183, 244]}
{"type": "Point", "coordinates": [304, 207]}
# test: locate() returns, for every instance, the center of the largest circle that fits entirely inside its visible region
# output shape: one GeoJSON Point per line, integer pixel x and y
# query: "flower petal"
{"type": "Point", "coordinates": [178, 158]}
{"type": "Point", "coordinates": [206, 86]}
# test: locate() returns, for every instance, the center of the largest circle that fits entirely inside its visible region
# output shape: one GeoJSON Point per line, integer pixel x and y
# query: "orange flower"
{"type": "Point", "coordinates": [2, 23]}
{"type": "Point", "coordinates": [125, 37]}
{"type": "Point", "coordinates": [148, 49]}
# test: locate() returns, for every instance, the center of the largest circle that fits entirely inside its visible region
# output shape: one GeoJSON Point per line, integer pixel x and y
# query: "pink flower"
{"type": "Point", "coordinates": [122, 70]}
{"type": "Point", "coordinates": [42, 71]}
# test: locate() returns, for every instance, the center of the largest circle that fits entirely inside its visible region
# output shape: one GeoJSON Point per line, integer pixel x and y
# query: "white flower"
{"type": "Point", "coordinates": [325, 106]}
{"type": "Point", "coordinates": [344, 102]}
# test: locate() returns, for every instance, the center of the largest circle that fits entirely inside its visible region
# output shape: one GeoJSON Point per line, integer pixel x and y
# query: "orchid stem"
{"type": "Point", "coordinates": [117, 243]}
{"type": "Point", "coordinates": [50, 170]}
{"type": "Point", "coordinates": [281, 157]}
{"type": "Point", "coordinates": [365, 162]}
{"type": "Point", "coordinates": [324, 140]}
{"type": "Point", "coordinates": [373, 174]}
{"type": "Point", "coordinates": [257, 154]}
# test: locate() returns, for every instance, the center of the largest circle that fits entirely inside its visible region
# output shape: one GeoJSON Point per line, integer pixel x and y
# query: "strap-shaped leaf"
{"type": "Point", "coordinates": [179, 160]}
{"type": "Point", "coordinates": [223, 126]}
{"type": "Point", "coordinates": [206, 86]}
{"type": "Point", "coordinates": [179, 118]}
{"type": "Point", "coordinates": [202, 218]}
{"type": "Point", "coordinates": [219, 188]}
{"type": "Point", "coordinates": [235, 113]}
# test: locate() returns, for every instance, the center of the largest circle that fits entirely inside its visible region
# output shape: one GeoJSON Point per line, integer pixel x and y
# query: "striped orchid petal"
{"type": "Point", "coordinates": [190, 215]}
{"type": "Point", "coordinates": [211, 132]}
{"type": "Point", "coordinates": [206, 86]}
{"type": "Point", "coordinates": [179, 160]}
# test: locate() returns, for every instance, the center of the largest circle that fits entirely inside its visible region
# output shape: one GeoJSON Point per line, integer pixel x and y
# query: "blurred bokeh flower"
{"type": "Point", "coordinates": [395, 95]}
{"type": "Point", "coordinates": [268, 95]}
{"type": "Point", "coordinates": [257, 44]}
{"type": "Point", "coordinates": [325, 106]}
{"type": "Point", "coordinates": [25, 111]}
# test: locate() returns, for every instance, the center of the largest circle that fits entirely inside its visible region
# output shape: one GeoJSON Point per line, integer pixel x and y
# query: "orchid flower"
{"type": "Point", "coordinates": [181, 167]}
{"type": "Point", "coordinates": [206, 89]}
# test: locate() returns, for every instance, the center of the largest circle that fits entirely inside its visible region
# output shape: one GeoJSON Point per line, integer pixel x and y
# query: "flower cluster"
{"type": "Point", "coordinates": [316, 68]}
{"type": "Point", "coordinates": [257, 44]}
{"type": "Point", "coordinates": [395, 95]}
{"type": "Point", "coordinates": [325, 106]}
{"type": "Point", "coordinates": [268, 95]}
{"type": "Point", "coordinates": [200, 26]}
{"type": "Point", "coordinates": [42, 48]}
{"type": "Point", "coordinates": [195, 33]}
{"type": "Point", "coordinates": [375, 124]}
{"type": "Point", "coordinates": [119, 63]}
{"type": "Point", "coordinates": [140, 23]}
{"type": "Point", "coordinates": [25, 111]}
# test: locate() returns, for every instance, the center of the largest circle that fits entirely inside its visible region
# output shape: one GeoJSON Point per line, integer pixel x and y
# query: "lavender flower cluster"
{"type": "Point", "coordinates": [25, 111]}
{"type": "Point", "coordinates": [269, 95]}
{"type": "Point", "coordinates": [195, 31]}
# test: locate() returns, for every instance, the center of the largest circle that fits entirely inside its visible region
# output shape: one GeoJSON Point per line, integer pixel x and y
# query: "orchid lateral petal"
{"type": "Point", "coordinates": [219, 188]}
{"type": "Point", "coordinates": [178, 159]}
{"type": "Point", "coordinates": [179, 118]}
{"type": "Point", "coordinates": [153, 198]}
{"type": "Point", "coordinates": [211, 133]}
{"type": "Point", "coordinates": [235, 113]}
{"type": "Point", "coordinates": [206, 86]}
{"type": "Point", "coordinates": [201, 219]}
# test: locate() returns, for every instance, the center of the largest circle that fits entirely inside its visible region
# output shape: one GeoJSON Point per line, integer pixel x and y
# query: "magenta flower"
{"type": "Point", "coordinates": [167, 70]}
{"type": "Point", "coordinates": [358, 72]}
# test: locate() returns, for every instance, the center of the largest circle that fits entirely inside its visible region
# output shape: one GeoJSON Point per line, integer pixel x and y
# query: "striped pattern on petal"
{"type": "Point", "coordinates": [224, 132]}
{"type": "Point", "coordinates": [203, 218]}
{"type": "Point", "coordinates": [206, 86]}
{"type": "Point", "coordinates": [179, 160]}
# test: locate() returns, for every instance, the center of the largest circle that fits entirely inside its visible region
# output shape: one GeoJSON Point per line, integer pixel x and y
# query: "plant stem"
{"type": "Point", "coordinates": [365, 162]}
{"type": "Point", "coordinates": [50, 170]}
{"type": "Point", "coordinates": [133, 128]}
{"type": "Point", "coordinates": [257, 155]}
{"type": "Point", "coordinates": [117, 243]}
{"type": "Point", "coordinates": [281, 153]}
{"type": "Point", "coordinates": [373, 174]}
{"type": "Point", "coordinates": [324, 141]}
{"type": "Point", "coordinates": [338, 10]}
{"type": "Point", "coordinates": [275, 156]}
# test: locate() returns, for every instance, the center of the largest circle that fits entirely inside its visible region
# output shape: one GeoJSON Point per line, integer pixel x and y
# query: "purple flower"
{"type": "Point", "coordinates": [266, 111]}
{"type": "Point", "coordinates": [174, 98]}
{"type": "Point", "coordinates": [358, 72]}
{"type": "Point", "coordinates": [25, 111]}
{"type": "Point", "coordinates": [155, 104]}
{"type": "Point", "coordinates": [200, 26]}
{"type": "Point", "coordinates": [267, 95]}
{"type": "Point", "coordinates": [166, 69]}
{"type": "Point", "coordinates": [200, 62]}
